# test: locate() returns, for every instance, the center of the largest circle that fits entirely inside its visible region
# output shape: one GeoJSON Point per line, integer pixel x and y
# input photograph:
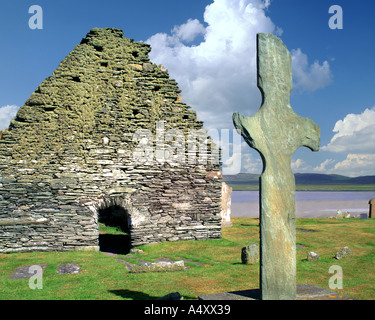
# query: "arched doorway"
{"type": "Point", "coordinates": [114, 231]}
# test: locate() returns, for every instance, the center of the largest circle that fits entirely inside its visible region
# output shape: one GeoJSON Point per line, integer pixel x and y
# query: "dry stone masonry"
{"type": "Point", "coordinates": [68, 158]}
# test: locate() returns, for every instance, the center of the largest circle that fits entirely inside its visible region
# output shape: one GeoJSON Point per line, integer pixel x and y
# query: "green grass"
{"type": "Point", "coordinates": [103, 277]}
{"type": "Point", "coordinates": [110, 230]}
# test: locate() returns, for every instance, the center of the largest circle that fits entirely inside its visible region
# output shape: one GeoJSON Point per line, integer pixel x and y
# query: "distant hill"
{"type": "Point", "coordinates": [315, 178]}
{"type": "Point", "coordinates": [242, 178]}
{"type": "Point", "coordinates": [306, 180]}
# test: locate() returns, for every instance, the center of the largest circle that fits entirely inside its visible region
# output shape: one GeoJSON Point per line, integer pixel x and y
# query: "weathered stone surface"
{"type": "Point", "coordinates": [23, 272]}
{"type": "Point", "coordinates": [276, 132]}
{"type": "Point", "coordinates": [339, 214]}
{"type": "Point", "coordinates": [162, 266]}
{"type": "Point", "coordinates": [312, 256]}
{"type": "Point", "coordinates": [343, 253]}
{"type": "Point", "coordinates": [226, 204]}
{"type": "Point", "coordinates": [172, 296]}
{"type": "Point", "coordinates": [250, 254]}
{"type": "Point", "coordinates": [69, 154]}
{"type": "Point", "coordinates": [68, 268]}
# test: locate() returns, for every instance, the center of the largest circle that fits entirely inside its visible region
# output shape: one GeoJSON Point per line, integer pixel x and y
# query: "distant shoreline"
{"type": "Point", "coordinates": [308, 204]}
{"type": "Point", "coordinates": [255, 187]}
{"type": "Point", "coordinates": [304, 209]}
{"type": "Point", "coordinates": [306, 182]}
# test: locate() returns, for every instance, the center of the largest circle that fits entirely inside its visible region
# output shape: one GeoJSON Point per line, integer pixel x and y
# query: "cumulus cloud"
{"type": "Point", "coordinates": [218, 75]}
{"type": "Point", "coordinates": [354, 134]}
{"type": "Point", "coordinates": [236, 154]}
{"type": "Point", "coordinates": [356, 165]}
{"type": "Point", "coordinates": [251, 163]}
{"type": "Point", "coordinates": [323, 166]}
{"type": "Point", "coordinates": [297, 164]}
{"type": "Point", "coordinates": [300, 166]}
{"type": "Point", "coordinates": [231, 149]}
{"type": "Point", "coordinates": [188, 32]}
{"type": "Point", "coordinates": [214, 62]}
{"type": "Point", "coordinates": [232, 165]}
{"type": "Point", "coordinates": [309, 77]}
{"type": "Point", "coordinates": [7, 113]}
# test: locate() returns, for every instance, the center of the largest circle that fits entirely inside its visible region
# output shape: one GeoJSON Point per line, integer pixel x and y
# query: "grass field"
{"type": "Point", "coordinates": [104, 277]}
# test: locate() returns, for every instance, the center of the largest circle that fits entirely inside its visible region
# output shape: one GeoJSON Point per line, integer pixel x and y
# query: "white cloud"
{"type": "Point", "coordinates": [251, 163]}
{"type": "Point", "coordinates": [309, 77]}
{"type": "Point", "coordinates": [356, 165]}
{"type": "Point", "coordinates": [300, 166]}
{"type": "Point", "coordinates": [218, 75]}
{"type": "Point", "coordinates": [7, 113]}
{"type": "Point", "coordinates": [354, 134]}
{"type": "Point", "coordinates": [231, 151]}
{"type": "Point", "coordinates": [236, 154]}
{"type": "Point", "coordinates": [232, 165]}
{"type": "Point", "coordinates": [323, 166]}
{"type": "Point", "coordinates": [214, 63]}
{"type": "Point", "coordinates": [188, 31]}
{"type": "Point", "coordinates": [297, 164]}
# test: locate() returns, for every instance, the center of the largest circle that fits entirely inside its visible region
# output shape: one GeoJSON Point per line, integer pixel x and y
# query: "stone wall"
{"type": "Point", "coordinates": [70, 152]}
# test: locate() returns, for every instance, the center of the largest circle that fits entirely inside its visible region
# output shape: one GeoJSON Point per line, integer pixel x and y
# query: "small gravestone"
{"type": "Point", "coordinates": [276, 132]}
{"type": "Point", "coordinates": [363, 216]}
{"type": "Point", "coordinates": [24, 272]}
{"type": "Point", "coordinates": [312, 256]}
{"type": "Point", "coordinates": [162, 266]}
{"type": "Point", "coordinates": [68, 268]}
{"type": "Point", "coordinates": [250, 254]}
{"type": "Point", "coordinates": [172, 296]}
{"type": "Point", "coordinates": [339, 214]}
{"type": "Point", "coordinates": [344, 252]}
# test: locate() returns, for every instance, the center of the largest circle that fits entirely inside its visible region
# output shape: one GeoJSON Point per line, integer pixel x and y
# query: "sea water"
{"type": "Point", "coordinates": [308, 203]}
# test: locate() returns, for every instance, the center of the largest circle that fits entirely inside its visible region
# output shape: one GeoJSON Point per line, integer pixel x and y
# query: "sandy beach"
{"type": "Point", "coordinates": [323, 208]}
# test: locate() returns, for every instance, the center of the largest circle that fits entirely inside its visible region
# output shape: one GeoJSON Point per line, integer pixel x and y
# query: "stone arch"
{"type": "Point", "coordinates": [113, 212]}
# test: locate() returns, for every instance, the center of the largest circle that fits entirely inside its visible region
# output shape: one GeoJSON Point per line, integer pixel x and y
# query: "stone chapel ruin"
{"type": "Point", "coordinates": [68, 159]}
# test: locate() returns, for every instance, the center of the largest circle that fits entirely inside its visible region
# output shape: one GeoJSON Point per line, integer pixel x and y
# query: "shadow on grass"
{"type": "Point", "coordinates": [135, 295]}
{"type": "Point", "coordinates": [132, 295]}
{"type": "Point", "coordinates": [252, 293]}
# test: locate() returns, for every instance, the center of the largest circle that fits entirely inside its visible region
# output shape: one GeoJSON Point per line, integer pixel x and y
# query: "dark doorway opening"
{"type": "Point", "coordinates": [114, 231]}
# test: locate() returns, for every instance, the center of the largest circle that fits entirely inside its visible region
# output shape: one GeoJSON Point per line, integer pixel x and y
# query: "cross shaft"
{"type": "Point", "coordinates": [276, 132]}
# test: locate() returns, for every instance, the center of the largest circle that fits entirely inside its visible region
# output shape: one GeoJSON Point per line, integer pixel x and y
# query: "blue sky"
{"type": "Point", "coordinates": [209, 47]}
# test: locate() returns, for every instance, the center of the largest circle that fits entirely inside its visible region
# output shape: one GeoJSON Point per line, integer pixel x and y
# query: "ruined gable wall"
{"type": "Point", "coordinates": [69, 152]}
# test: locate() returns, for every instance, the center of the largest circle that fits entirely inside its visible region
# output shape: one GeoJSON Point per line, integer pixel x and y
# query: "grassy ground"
{"type": "Point", "coordinates": [103, 277]}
